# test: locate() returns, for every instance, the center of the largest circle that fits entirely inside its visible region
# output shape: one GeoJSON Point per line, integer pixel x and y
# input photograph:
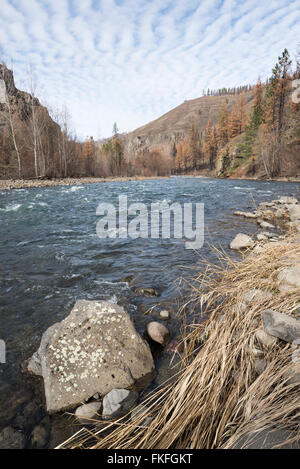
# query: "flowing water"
{"type": "Point", "coordinates": [51, 255]}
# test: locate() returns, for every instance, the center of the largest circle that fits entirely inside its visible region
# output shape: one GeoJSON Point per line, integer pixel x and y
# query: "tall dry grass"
{"type": "Point", "coordinates": [218, 399]}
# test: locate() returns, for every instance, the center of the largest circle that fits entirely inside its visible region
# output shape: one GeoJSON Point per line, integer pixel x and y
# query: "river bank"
{"type": "Point", "coordinates": [9, 184]}
{"type": "Point", "coordinates": [238, 386]}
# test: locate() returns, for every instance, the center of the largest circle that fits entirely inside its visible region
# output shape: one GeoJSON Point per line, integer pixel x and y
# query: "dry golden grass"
{"type": "Point", "coordinates": [218, 397]}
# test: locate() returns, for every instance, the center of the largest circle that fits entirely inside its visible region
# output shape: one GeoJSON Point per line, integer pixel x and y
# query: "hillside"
{"type": "Point", "coordinates": [162, 133]}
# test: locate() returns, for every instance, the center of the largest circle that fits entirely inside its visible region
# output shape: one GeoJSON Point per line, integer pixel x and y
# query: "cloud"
{"type": "Point", "coordinates": [132, 60]}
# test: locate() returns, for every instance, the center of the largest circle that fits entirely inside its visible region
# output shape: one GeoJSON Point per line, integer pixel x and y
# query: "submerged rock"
{"type": "Point", "coordinates": [40, 434]}
{"type": "Point", "coordinates": [164, 314]}
{"type": "Point", "coordinates": [146, 291]}
{"type": "Point", "coordinates": [94, 350]}
{"type": "Point", "coordinates": [11, 439]}
{"type": "Point", "coordinates": [118, 402]}
{"type": "Point", "coordinates": [281, 325]}
{"type": "Point", "coordinates": [241, 241]}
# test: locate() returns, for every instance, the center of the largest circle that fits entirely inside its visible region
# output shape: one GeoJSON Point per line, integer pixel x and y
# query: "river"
{"type": "Point", "coordinates": [51, 255]}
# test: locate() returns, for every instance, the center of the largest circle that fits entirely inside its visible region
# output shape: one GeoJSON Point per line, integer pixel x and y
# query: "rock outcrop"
{"type": "Point", "coordinates": [16, 112]}
{"type": "Point", "coordinates": [94, 350]}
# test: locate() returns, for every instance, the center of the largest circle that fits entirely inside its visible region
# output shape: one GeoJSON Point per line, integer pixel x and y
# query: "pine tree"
{"type": "Point", "coordinates": [276, 94]}
{"type": "Point", "coordinates": [210, 144]}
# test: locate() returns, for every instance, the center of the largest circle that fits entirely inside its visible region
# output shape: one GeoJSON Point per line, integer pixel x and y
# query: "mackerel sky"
{"type": "Point", "coordinates": [130, 61]}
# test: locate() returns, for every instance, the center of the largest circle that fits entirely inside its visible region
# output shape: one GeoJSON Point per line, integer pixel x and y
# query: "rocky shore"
{"type": "Point", "coordinates": [8, 184]}
{"type": "Point", "coordinates": [239, 386]}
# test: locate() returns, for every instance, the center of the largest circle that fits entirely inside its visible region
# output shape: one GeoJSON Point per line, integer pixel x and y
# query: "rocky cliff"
{"type": "Point", "coordinates": [28, 135]}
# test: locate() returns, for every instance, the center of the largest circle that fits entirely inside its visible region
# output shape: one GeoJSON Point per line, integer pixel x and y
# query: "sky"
{"type": "Point", "coordinates": [130, 61]}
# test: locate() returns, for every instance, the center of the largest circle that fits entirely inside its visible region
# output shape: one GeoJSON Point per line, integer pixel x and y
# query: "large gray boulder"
{"type": "Point", "coordinates": [93, 350]}
{"type": "Point", "coordinates": [281, 325]}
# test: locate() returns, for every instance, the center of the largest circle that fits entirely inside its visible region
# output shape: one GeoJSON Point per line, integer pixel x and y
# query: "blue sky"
{"type": "Point", "coordinates": [130, 61]}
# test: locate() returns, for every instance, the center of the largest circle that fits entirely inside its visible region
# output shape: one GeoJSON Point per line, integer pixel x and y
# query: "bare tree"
{"type": "Point", "coordinates": [34, 125]}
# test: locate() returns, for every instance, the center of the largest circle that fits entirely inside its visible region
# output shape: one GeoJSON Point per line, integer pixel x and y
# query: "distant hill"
{"type": "Point", "coordinates": [173, 126]}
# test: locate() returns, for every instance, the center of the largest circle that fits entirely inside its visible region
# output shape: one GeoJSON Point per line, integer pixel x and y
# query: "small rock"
{"type": "Point", "coordinates": [11, 439]}
{"type": "Point", "coordinates": [241, 241]}
{"type": "Point", "coordinates": [164, 314]}
{"type": "Point", "coordinates": [294, 211]}
{"type": "Point", "coordinates": [293, 374]}
{"type": "Point", "coordinates": [289, 278]}
{"type": "Point", "coordinates": [88, 412]}
{"type": "Point", "coordinates": [264, 224]}
{"type": "Point", "coordinates": [287, 200]}
{"type": "Point", "coordinates": [267, 234]}
{"type": "Point", "coordinates": [143, 309]}
{"type": "Point", "coordinates": [266, 340]}
{"type": "Point", "coordinates": [245, 214]}
{"type": "Point", "coordinates": [239, 307]}
{"type": "Point", "coordinates": [281, 325]}
{"type": "Point", "coordinates": [127, 279]}
{"type": "Point", "coordinates": [256, 295]}
{"type": "Point", "coordinates": [40, 434]}
{"type": "Point", "coordinates": [118, 402]}
{"type": "Point", "coordinates": [175, 346]}
{"type": "Point", "coordinates": [261, 237]}
{"type": "Point", "coordinates": [260, 365]}
{"type": "Point", "coordinates": [146, 291]}
{"type": "Point", "coordinates": [158, 332]}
